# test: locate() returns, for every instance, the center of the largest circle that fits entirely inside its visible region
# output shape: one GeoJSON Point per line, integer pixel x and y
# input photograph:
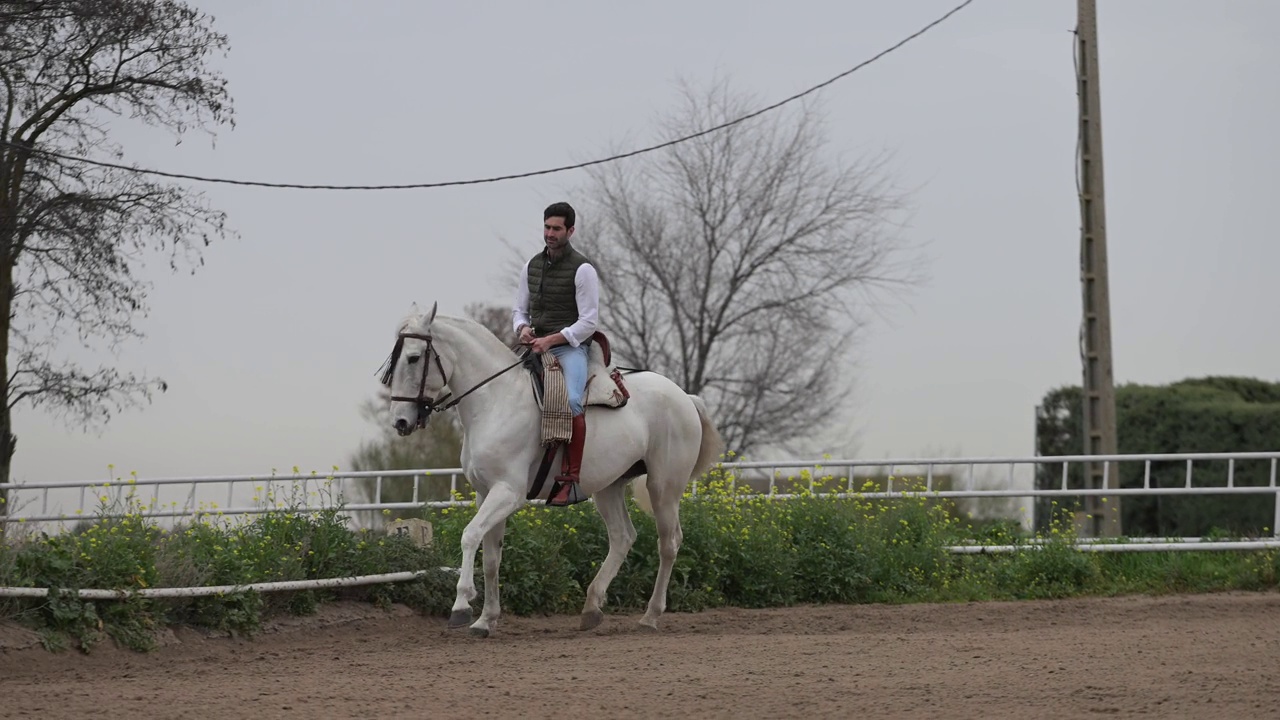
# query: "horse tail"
{"type": "Point", "coordinates": [712, 444]}
{"type": "Point", "coordinates": [709, 451]}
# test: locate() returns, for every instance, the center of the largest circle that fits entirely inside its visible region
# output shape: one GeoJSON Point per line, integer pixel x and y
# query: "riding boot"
{"type": "Point", "coordinates": [565, 491]}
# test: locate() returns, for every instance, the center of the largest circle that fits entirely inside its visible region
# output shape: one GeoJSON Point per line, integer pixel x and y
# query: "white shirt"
{"type": "Point", "coordinates": [587, 293]}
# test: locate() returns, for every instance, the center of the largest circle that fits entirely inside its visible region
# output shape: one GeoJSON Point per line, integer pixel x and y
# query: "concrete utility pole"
{"type": "Point", "coordinates": [1099, 409]}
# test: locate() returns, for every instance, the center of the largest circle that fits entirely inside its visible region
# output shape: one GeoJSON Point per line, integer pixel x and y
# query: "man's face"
{"type": "Point", "coordinates": [555, 234]}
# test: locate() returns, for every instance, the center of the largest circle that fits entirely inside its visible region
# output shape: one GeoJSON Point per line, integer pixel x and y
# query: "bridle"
{"type": "Point", "coordinates": [427, 405]}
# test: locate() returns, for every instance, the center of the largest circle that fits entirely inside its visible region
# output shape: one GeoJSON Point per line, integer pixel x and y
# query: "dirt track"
{"type": "Point", "coordinates": [1212, 656]}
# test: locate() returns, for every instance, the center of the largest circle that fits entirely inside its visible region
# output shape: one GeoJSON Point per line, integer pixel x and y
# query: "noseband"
{"type": "Point", "coordinates": [425, 404]}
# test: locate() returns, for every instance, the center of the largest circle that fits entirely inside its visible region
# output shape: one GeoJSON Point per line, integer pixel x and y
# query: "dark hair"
{"type": "Point", "coordinates": [561, 209]}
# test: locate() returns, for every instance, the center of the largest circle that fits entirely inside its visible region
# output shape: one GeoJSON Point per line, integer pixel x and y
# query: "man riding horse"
{"type": "Point", "coordinates": [557, 310]}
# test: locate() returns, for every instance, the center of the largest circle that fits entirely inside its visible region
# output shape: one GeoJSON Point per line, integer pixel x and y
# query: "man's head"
{"type": "Point", "coordinates": [557, 225]}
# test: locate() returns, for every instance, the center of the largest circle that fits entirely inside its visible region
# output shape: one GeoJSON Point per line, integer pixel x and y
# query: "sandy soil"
{"type": "Point", "coordinates": [1208, 656]}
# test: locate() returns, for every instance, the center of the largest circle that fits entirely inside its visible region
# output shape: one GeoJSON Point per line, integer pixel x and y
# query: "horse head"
{"type": "Point", "coordinates": [415, 373]}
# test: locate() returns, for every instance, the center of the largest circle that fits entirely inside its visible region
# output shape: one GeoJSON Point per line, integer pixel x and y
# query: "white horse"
{"type": "Point", "coordinates": [660, 431]}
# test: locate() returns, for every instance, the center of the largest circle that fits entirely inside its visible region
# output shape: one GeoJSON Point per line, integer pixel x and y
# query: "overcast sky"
{"type": "Point", "coordinates": [272, 346]}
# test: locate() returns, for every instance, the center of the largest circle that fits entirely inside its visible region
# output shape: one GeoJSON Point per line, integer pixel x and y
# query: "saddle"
{"type": "Point", "coordinates": [604, 381]}
{"type": "Point", "coordinates": [604, 389]}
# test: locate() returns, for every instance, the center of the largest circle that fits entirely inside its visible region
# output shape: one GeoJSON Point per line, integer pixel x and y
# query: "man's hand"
{"type": "Point", "coordinates": [526, 335]}
{"type": "Point", "coordinates": [543, 344]}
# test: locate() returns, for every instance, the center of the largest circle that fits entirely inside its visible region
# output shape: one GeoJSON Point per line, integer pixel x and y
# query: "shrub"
{"type": "Point", "coordinates": [132, 552]}
{"type": "Point", "coordinates": [741, 548]}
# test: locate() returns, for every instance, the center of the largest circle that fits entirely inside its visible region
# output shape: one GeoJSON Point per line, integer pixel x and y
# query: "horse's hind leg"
{"type": "Point", "coordinates": [612, 506]}
{"type": "Point", "coordinates": [666, 513]}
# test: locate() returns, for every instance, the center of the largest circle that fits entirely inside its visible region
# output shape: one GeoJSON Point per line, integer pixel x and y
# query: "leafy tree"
{"type": "Point", "coordinates": [73, 234]}
{"type": "Point", "coordinates": [1209, 414]}
{"type": "Point", "coordinates": [736, 262]}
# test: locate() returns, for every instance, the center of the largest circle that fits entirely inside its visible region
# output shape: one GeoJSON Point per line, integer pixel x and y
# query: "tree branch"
{"type": "Point", "coordinates": [731, 262]}
{"type": "Point", "coordinates": [72, 236]}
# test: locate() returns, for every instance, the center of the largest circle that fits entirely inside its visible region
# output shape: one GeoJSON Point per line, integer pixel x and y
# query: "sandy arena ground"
{"type": "Point", "coordinates": [1208, 656]}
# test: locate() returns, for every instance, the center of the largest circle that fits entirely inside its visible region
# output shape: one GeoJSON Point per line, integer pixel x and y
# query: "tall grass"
{"type": "Point", "coordinates": [741, 548]}
{"type": "Point", "coordinates": [120, 548]}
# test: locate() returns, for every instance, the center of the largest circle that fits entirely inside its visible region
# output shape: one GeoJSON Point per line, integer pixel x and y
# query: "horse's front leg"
{"type": "Point", "coordinates": [492, 598]}
{"type": "Point", "coordinates": [496, 508]}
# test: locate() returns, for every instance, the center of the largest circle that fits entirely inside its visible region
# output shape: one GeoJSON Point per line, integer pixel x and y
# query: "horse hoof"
{"type": "Point", "coordinates": [477, 632]}
{"type": "Point", "coordinates": [591, 619]}
{"type": "Point", "coordinates": [648, 626]}
{"type": "Point", "coordinates": [460, 618]}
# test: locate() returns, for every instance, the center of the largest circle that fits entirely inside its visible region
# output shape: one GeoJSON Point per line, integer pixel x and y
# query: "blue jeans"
{"type": "Point", "coordinates": [574, 362]}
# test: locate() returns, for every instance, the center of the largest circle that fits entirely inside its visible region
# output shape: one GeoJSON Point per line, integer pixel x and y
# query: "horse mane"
{"type": "Point", "coordinates": [475, 329]}
{"type": "Point", "coordinates": [413, 322]}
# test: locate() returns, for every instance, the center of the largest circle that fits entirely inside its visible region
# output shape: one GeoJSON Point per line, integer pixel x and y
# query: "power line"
{"type": "Point", "coordinates": [499, 178]}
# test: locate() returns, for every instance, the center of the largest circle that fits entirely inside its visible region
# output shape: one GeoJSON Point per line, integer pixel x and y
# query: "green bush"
{"type": "Point", "coordinates": [1199, 415]}
{"type": "Point", "coordinates": [132, 552]}
{"type": "Point", "coordinates": [741, 548]}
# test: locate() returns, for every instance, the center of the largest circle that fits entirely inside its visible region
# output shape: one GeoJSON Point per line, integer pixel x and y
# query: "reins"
{"type": "Point", "coordinates": [475, 387]}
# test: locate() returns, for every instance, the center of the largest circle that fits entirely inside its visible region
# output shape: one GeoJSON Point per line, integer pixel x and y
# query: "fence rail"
{"type": "Point", "coordinates": [892, 470]}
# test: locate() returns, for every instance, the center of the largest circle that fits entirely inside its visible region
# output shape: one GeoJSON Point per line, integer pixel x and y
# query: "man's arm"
{"type": "Point", "coordinates": [520, 310]}
{"type": "Point", "coordinates": [587, 284]}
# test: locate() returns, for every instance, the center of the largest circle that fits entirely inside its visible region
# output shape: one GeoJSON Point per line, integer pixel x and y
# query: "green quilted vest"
{"type": "Point", "coordinates": [553, 302]}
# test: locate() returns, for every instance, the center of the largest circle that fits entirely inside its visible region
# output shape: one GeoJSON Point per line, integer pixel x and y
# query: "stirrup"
{"type": "Point", "coordinates": [575, 494]}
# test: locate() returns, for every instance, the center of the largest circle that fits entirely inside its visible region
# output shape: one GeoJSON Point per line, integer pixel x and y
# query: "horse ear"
{"type": "Point", "coordinates": [431, 318]}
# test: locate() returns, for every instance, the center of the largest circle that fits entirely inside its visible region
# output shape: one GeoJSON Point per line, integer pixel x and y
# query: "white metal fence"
{"type": "Point", "coordinates": [363, 492]}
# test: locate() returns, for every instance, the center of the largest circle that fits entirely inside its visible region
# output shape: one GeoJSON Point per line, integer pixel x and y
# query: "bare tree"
{"type": "Point", "coordinates": [73, 234]}
{"type": "Point", "coordinates": [740, 262]}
